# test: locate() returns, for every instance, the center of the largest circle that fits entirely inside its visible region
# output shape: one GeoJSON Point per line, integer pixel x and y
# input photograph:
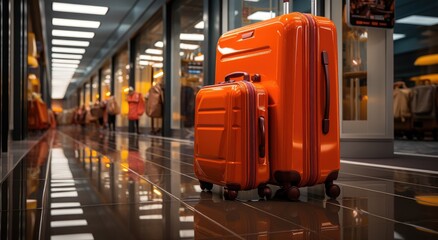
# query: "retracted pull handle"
{"type": "Point", "coordinates": [245, 76]}
{"type": "Point", "coordinates": [285, 6]}
{"type": "Point", "coordinates": [262, 135]}
{"type": "Point", "coordinates": [325, 120]}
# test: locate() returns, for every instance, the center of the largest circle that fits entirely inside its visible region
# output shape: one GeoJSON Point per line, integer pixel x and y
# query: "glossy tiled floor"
{"type": "Point", "coordinates": [94, 185]}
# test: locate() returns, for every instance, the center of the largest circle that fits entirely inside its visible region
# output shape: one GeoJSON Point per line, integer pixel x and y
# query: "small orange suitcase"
{"type": "Point", "coordinates": [295, 56]}
{"type": "Point", "coordinates": [230, 128]}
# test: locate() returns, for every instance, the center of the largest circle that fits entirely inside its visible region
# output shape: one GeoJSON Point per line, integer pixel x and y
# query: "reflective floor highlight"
{"type": "Point", "coordinates": [77, 184]}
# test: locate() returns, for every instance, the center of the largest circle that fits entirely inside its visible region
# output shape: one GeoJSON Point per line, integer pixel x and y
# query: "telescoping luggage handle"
{"type": "Point", "coordinates": [325, 120]}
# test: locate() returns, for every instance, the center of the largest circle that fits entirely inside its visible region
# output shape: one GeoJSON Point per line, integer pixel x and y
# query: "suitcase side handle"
{"type": "Point", "coordinates": [245, 76]}
{"type": "Point", "coordinates": [325, 120]}
{"type": "Point", "coordinates": [262, 136]}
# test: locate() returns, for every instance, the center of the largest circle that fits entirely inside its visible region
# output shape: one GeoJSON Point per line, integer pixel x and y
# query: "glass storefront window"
{"type": "Point", "coordinates": [188, 61]}
{"type": "Point", "coordinates": [149, 65]}
{"type": "Point", "coordinates": [121, 85]}
{"type": "Point", "coordinates": [105, 85]}
{"type": "Point", "coordinates": [354, 82]}
{"type": "Point", "coordinates": [242, 13]}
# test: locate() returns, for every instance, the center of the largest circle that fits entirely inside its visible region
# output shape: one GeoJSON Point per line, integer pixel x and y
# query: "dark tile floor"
{"type": "Point", "coordinates": [94, 185]}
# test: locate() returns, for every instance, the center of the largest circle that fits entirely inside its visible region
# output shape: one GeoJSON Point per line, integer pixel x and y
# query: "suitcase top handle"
{"type": "Point", "coordinates": [236, 75]}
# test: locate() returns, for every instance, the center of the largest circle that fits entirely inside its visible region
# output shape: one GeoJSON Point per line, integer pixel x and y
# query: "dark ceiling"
{"type": "Point", "coordinates": [419, 39]}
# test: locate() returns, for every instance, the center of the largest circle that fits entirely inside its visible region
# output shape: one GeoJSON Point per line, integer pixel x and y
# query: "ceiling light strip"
{"type": "Point", "coordinates": [75, 23]}
{"type": "Point", "coordinates": [73, 34]}
{"type": "Point", "coordinates": [79, 8]}
{"type": "Point", "coordinates": [70, 43]}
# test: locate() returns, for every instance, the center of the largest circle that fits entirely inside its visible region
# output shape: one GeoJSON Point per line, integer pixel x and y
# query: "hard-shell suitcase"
{"type": "Point", "coordinates": [295, 57]}
{"type": "Point", "coordinates": [231, 123]}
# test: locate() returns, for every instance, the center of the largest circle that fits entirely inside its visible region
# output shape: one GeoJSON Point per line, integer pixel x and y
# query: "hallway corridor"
{"type": "Point", "coordinates": [89, 184]}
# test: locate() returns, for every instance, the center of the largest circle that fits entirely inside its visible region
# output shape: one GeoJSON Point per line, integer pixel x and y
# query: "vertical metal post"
{"type": "Point", "coordinates": [99, 84]}
{"type": "Point", "coordinates": [212, 30]}
{"type": "Point", "coordinates": [314, 7]}
{"type": "Point", "coordinates": [131, 81]}
{"type": "Point", "coordinates": [167, 39]}
{"type": "Point", "coordinates": [4, 74]}
{"type": "Point", "coordinates": [286, 6]}
{"type": "Point", "coordinates": [19, 68]}
{"type": "Point", "coordinates": [91, 90]}
{"type": "Point", "coordinates": [113, 75]}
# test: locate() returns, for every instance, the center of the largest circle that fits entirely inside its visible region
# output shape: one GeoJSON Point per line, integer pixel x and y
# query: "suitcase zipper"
{"type": "Point", "coordinates": [251, 135]}
{"type": "Point", "coordinates": [312, 102]}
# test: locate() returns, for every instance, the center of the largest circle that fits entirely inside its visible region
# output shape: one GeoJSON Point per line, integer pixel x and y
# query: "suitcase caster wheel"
{"type": "Point", "coordinates": [293, 193]}
{"type": "Point", "coordinates": [332, 191]}
{"type": "Point", "coordinates": [265, 192]}
{"type": "Point", "coordinates": [230, 194]}
{"type": "Point", "coordinates": [206, 185]}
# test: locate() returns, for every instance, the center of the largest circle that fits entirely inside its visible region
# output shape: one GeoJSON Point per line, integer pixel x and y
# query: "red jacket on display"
{"type": "Point", "coordinates": [136, 105]}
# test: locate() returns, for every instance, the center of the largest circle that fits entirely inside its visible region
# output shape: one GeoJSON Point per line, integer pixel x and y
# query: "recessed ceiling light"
{"type": "Point", "coordinates": [73, 34]}
{"type": "Point", "coordinates": [68, 50]}
{"type": "Point", "coordinates": [252, 0]}
{"type": "Point", "coordinates": [186, 46]}
{"type": "Point", "coordinates": [63, 69]}
{"type": "Point", "coordinates": [154, 51]}
{"type": "Point", "coordinates": [159, 44]}
{"type": "Point", "coordinates": [191, 36]}
{"type": "Point", "coordinates": [66, 56]}
{"type": "Point", "coordinates": [145, 63]}
{"type": "Point", "coordinates": [69, 73]}
{"type": "Point", "coordinates": [56, 60]}
{"type": "Point", "coordinates": [70, 43]}
{"type": "Point", "coordinates": [66, 65]}
{"type": "Point", "coordinates": [79, 8]}
{"type": "Point", "coordinates": [200, 25]}
{"type": "Point", "coordinates": [418, 20]}
{"type": "Point", "coordinates": [397, 36]}
{"type": "Point", "coordinates": [75, 23]}
{"type": "Point", "coordinates": [261, 15]}
{"type": "Point", "coordinates": [157, 65]}
{"type": "Point", "coordinates": [151, 58]}
{"type": "Point", "coordinates": [199, 58]}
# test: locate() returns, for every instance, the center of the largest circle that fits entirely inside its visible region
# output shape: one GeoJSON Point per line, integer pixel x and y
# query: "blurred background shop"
{"type": "Point", "coordinates": [78, 60]}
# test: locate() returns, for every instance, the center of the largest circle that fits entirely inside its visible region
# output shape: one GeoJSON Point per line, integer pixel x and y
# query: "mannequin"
{"type": "Point", "coordinates": [136, 107]}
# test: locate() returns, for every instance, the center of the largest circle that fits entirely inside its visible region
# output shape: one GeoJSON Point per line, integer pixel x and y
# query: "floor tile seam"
{"type": "Point", "coordinates": [106, 205]}
{"type": "Point", "coordinates": [382, 166]}
{"type": "Point", "coordinates": [382, 217]}
{"type": "Point", "coordinates": [169, 139]}
{"type": "Point", "coordinates": [177, 198]}
{"type": "Point", "coordinates": [188, 206]}
{"type": "Point", "coordinates": [139, 158]}
{"type": "Point", "coordinates": [376, 191]}
{"type": "Point", "coordinates": [388, 180]}
{"type": "Point", "coordinates": [416, 154]}
{"type": "Point", "coordinates": [183, 174]}
{"type": "Point", "coordinates": [346, 162]}
{"type": "Point", "coordinates": [22, 156]}
{"type": "Point", "coordinates": [115, 149]}
{"type": "Point", "coordinates": [284, 219]}
{"type": "Point", "coordinates": [45, 193]}
{"type": "Point", "coordinates": [154, 154]}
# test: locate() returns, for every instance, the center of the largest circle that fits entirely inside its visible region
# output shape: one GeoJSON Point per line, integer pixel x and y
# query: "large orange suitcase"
{"type": "Point", "coordinates": [230, 127]}
{"type": "Point", "coordinates": [295, 56]}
